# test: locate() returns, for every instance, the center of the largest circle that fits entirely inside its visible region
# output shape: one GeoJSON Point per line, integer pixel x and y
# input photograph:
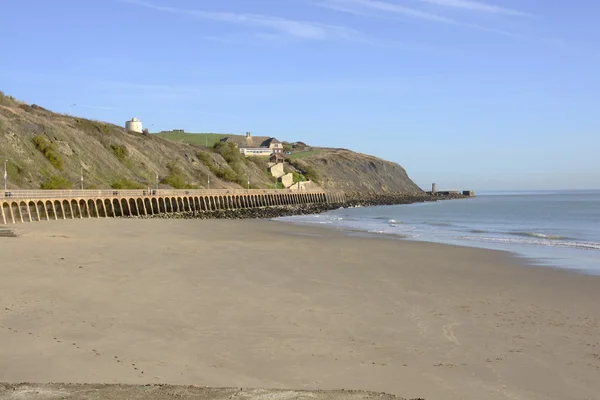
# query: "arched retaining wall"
{"type": "Point", "coordinates": [15, 209]}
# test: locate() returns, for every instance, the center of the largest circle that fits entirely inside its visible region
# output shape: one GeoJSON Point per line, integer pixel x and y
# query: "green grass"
{"type": "Point", "coordinates": [201, 139]}
{"type": "Point", "coordinates": [49, 151]}
{"type": "Point", "coordinates": [177, 178]}
{"type": "Point", "coordinates": [124, 183]}
{"type": "Point", "coordinates": [304, 154]}
{"type": "Point", "coordinates": [57, 182]}
{"type": "Point", "coordinates": [120, 152]}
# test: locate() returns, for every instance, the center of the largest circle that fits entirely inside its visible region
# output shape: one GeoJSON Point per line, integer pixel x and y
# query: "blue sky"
{"type": "Point", "coordinates": [502, 94]}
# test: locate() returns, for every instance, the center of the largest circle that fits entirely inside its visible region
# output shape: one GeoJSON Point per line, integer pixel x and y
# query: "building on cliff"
{"type": "Point", "coordinates": [134, 125]}
{"type": "Point", "coordinates": [255, 145]}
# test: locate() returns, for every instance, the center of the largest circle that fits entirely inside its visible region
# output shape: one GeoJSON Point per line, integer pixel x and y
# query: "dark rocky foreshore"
{"type": "Point", "coordinates": [352, 200]}
{"type": "Point", "coordinates": [388, 199]}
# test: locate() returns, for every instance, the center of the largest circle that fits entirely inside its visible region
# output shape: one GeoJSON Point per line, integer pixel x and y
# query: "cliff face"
{"type": "Point", "coordinates": [50, 150]}
{"type": "Point", "coordinates": [355, 172]}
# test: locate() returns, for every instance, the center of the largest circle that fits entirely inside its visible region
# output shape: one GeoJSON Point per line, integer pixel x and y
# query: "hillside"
{"type": "Point", "coordinates": [50, 151]}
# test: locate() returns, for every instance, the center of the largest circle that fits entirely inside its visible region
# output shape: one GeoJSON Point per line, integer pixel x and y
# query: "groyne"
{"type": "Point", "coordinates": [350, 200]}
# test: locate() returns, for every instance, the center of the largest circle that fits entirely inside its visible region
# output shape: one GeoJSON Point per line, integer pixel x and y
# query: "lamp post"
{"type": "Point", "coordinates": [248, 176]}
{"type": "Point", "coordinates": [81, 178]}
{"type": "Point", "coordinates": [71, 108]}
{"type": "Point", "coordinates": [157, 181]}
{"type": "Point", "coordinates": [5, 174]}
{"type": "Point", "coordinates": [208, 179]}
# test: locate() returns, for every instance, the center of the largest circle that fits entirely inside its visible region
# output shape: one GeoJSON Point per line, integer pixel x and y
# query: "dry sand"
{"type": "Point", "coordinates": [264, 304]}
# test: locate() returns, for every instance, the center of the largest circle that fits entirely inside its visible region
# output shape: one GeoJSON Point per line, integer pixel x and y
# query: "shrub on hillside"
{"type": "Point", "coordinates": [260, 162]}
{"type": "Point", "coordinates": [177, 178]}
{"type": "Point", "coordinates": [230, 173]}
{"type": "Point", "coordinates": [6, 100]}
{"type": "Point", "coordinates": [57, 182]}
{"type": "Point", "coordinates": [298, 177]}
{"type": "Point", "coordinates": [124, 183]}
{"type": "Point", "coordinates": [230, 152]}
{"type": "Point", "coordinates": [307, 170]}
{"type": "Point", "coordinates": [120, 152]}
{"type": "Point", "coordinates": [49, 151]}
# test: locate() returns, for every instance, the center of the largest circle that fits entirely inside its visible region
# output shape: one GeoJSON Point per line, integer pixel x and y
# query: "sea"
{"type": "Point", "coordinates": [549, 228]}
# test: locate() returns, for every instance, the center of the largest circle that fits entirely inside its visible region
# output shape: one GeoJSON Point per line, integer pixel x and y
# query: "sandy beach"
{"type": "Point", "coordinates": [262, 304]}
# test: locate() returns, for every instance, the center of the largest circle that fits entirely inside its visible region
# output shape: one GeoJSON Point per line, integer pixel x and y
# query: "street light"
{"type": "Point", "coordinates": [5, 174]}
{"type": "Point", "coordinates": [248, 176]}
{"type": "Point", "coordinates": [70, 108]}
{"type": "Point", "coordinates": [208, 178]}
{"type": "Point", "coordinates": [81, 178]}
{"type": "Point", "coordinates": [157, 181]}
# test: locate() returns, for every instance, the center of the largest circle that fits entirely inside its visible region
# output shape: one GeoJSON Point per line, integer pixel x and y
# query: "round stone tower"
{"type": "Point", "coordinates": [135, 125]}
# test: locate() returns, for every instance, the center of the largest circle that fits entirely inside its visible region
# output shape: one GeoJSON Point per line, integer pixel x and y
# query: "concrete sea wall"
{"type": "Point", "coordinates": [30, 206]}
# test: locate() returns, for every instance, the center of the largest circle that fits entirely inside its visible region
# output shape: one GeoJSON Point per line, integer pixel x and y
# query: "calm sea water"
{"type": "Point", "coordinates": [559, 229]}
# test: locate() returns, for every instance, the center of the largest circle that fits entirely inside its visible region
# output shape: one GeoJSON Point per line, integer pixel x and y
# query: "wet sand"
{"type": "Point", "coordinates": [263, 304]}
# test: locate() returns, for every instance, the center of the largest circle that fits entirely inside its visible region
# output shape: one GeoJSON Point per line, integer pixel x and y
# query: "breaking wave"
{"type": "Point", "coordinates": [538, 242]}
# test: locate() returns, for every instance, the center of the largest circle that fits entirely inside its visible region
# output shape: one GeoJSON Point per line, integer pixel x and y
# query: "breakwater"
{"type": "Point", "coordinates": [350, 200]}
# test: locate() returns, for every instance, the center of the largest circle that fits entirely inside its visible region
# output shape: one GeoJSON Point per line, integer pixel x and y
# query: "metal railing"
{"type": "Point", "coordinates": [69, 194]}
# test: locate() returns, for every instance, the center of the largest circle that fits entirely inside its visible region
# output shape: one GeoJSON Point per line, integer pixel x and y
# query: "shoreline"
{"type": "Point", "coordinates": [261, 304]}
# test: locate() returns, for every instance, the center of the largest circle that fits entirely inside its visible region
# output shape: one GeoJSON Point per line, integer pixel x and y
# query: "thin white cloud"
{"type": "Point", "coordinates": [376, 8]}
{"type": "Point", "coordinates": [362, 6]}
{"type": "Point", "coordinates": [476, 6]}
{"type": "Point", "coordinates": [288, 27]}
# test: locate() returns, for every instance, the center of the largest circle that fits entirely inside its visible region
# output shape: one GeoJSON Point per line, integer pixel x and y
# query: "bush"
{"type": "Point", "coordinates": [120, 152]}
{"type": "Point", "coordinates": [57, 182]}
{"type": "Point", "coordinates": [260, 162]}
{"type": "Point", "coordinates": [308, 171]}
{"type": "Point", "coordinates": [298, 177]}
{"type": "Point", "coordinates": [230, 152]}
{"type": "Point", "coordinates": [176, 178]}
{"type": "Point", "coordinates": [124, 183]}
{"type": "Point", "coordinates": [49, 151]}
{"type": "Point", "coordinates": [6, 100]}
{"type": "Point", "coordinates": [230, 173]}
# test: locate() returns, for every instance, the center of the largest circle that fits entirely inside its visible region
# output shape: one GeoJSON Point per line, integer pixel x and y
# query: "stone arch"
{"type": "Point", "coordinates": [139, 202]}
{"type": "Point", "coordinates": [58, 210]}
{"type": "Point", "coordinates": [42, 215]}
{"type": "Point", "coordinates": [3, 212]}
{"type": "Point", "coordinates": [100, 210]}
{"type": "Point", "coordinates": [116, 208]}
{"type": "Point", "coordinates": [124, 207]}
{"type": "Point", "coordinates": [186, 203]}
{"type": "Point", "coordinates": [109, 210]}
{"type": "Point", "coordinates": [49, 210]}
{"type": "Point", "coordinates": [25, 214]}
{"type": "Point", "coordinates": [76, 208]}
{"type": "Point", "coordinates": [16, 211]}
{"type": "Point", "coordinates": [148, 206]}
{"type": "Point", "coordinates": [83, 209]}
{"type": "Point", "coordinates": [133, 210]}
{"type": "Point", "coordinates": [8, 216]}
{"type": "Point", "coordinates": [93, 209]}
{"type": "Point", "coordinates": [161, 205]}
{"type": "Point", "coordinates": [67, 209]}
{"type": "Point", "coordinates": [155, 205]}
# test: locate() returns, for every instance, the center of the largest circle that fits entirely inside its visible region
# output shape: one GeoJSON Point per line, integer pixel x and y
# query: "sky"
{"type": "Point", "coordinates": [482, 95]}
